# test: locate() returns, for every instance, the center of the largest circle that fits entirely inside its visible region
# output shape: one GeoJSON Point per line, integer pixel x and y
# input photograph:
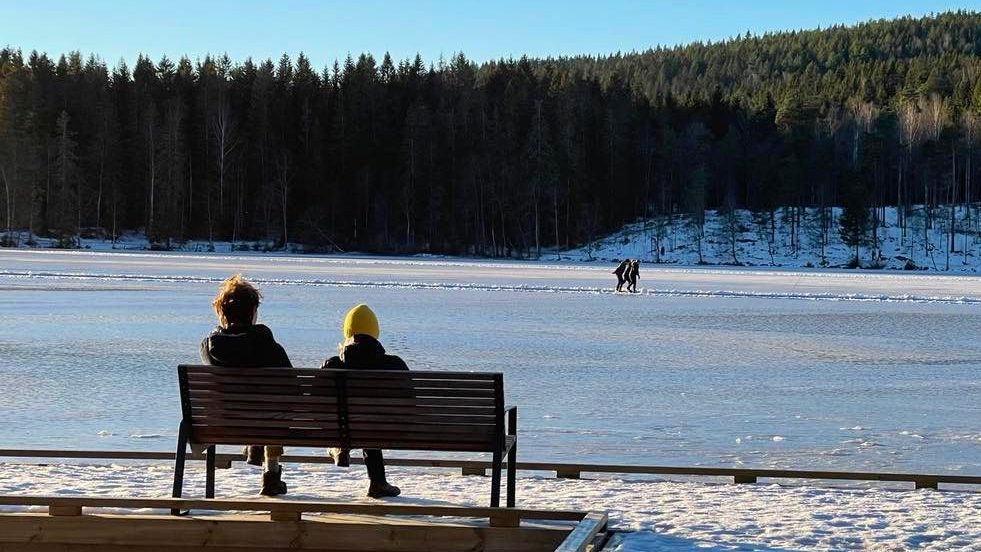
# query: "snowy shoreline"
{"type": "Point", "coordinates": [755, 247]}
{"type": "Point", "coordinates": [664, 515]}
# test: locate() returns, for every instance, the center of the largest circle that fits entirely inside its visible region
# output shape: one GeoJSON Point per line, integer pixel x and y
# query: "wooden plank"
{"type": "Point", "coordinates": [69, 510]}
{"type": "Point", "coordinates": [925, 483]}
{"type": "Point", "coordinates": [360, 385]}
{"type": "Point", "coordinates": [215, 403]}
{"type": "Point", "coordinates": [278, 515]}
{"type": "Point", "coordinates": [355, 401]}
{"type": "Point", "coordinates": [416, 375]}
{"type": "Point", "coordinates": [319, 380]}
{"type": "Point", "coordinates": [426, 410]}
{"type": "Point", "coordinates": [505, 518]}
{"type": "Point", "coordinates": [197, 395]}
{"type": "Point", "coordinates": [436, 446]}
{"type": "Point", "coordinates": [412, 426]}
{"type": "Point", "coordinates": [214, 421]}
{"type": "Point", "coordinates": [312, 507]}
{"type": "Point", "coordinates": [244, 416]}
{"type": "Point", "coordinates": [169, 533]}
{"type": "Point", "coordinates": [489, 419]}
{"type": "Point", "coordinates": [235, 389]}
{"type": "Point", "coordinates": [582, 535]}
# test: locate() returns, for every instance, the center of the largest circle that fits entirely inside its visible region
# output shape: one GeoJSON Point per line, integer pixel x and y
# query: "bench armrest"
{"type": "Point", "coordinates": [511, 414]}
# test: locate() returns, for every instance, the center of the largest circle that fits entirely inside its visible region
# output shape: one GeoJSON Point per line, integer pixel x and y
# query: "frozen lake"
{"type": "Point", "coordinates": [756, 368]}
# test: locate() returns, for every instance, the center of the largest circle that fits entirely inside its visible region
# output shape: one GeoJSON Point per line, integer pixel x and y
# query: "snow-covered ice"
{"type": "Point", "coordinates": [736, 367]}
{"type": "Point", "coordinates": [733, 367]}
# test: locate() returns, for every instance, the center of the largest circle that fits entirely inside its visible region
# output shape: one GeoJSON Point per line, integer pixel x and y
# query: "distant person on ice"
{"type": "Point", "coordinates": [239, 342]}
{"type": "Point", "coordinates": [361, 350]}
{"type": "Point", "coordinates": [620, 272]}
{"type": "Point", "coordinates": [633, 274]}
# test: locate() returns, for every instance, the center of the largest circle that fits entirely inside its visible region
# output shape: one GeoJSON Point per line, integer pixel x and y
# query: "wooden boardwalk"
{"type": "Point", "coordinates": [63, 524]}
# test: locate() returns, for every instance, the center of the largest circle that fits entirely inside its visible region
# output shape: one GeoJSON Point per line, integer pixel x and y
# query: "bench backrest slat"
{"type": "Point", "coordinates": [410, 410]}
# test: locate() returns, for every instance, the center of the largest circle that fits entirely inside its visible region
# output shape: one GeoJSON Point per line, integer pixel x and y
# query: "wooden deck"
{"type": "Point", "coordinates": [64, 525]}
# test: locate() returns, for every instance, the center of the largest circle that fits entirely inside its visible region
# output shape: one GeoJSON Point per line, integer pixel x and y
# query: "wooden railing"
{"type": "Point", "coordinates": [562, 470]}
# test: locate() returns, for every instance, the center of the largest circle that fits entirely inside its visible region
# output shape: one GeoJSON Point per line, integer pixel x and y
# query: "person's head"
{"type": "Point", "coordinates": [360, 320]}
{"type": "Point", "coordinates": [237, 302]}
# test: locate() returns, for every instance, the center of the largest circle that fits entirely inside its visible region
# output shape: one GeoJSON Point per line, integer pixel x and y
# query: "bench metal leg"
{"type": "Point", "coordinates": [512, 474]}
{"type": "Point", "coordinates": [209, 482]}
{"type": "Point", "coordinates": [512, 455]}
{"type": "Point", "coordinates": [496, 480]}
{"type": "Point", "coordinates": [179, 464]}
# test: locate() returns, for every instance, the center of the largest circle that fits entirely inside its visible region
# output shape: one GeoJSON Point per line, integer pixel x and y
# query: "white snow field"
{"type": "Point", "coordinates": [741, 367]}
{"type": "Point", "coordinates": [662, 515]}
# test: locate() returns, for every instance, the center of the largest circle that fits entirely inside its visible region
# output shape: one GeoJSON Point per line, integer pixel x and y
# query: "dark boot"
{"type": "Point", "coordinates": [254, 455]}
{"type": "Point", "coordinates": [342, 457]}
{"type": "Point", "coordinates": [383, 490]}
{"type": "Point", "coordinates": [379, 487]}
{"type": "Point", "coordinates": [272, 483]}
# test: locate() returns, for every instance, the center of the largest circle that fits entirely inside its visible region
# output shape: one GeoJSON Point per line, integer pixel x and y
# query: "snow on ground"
{"type": "Point", "coordinates": [665, 515]}
{"type": "Point", "coordinates": [756, 245]}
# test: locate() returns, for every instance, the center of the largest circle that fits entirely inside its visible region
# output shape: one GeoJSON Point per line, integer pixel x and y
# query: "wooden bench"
{"type": "Point", "coordinates": [352, 409]}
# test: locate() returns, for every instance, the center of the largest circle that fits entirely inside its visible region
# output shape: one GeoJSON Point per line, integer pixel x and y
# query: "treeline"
{"type": "Point", "coordinates": [504, 158]}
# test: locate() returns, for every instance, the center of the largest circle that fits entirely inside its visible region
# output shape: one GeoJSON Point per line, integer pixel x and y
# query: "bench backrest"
{"type": "Point", "coordinates": [407, 410]}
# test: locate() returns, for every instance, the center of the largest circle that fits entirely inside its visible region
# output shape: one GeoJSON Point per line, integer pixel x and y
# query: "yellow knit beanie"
{"type": "Point", "coordinates": [360, 320]}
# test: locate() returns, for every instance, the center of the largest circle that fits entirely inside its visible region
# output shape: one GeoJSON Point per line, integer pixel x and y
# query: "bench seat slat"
{"type": "Point", "coordinates": [484, 431]}
{"type": "Point", "coordinates": [440, 433]}
{"type": "Point", "coordinates": [280, 390]}
{"type": "Point", "coordinates": [247, 406]}
{"type": "Point", "coordinates": [272, 423]}
{"type": "Point", "coordinates": [330, 391]}
{"type": "Point", "coordinates": [416, 375]}
{"type": "Point", "coordinates": [391, 441]}
{"type": "Point", "coordinates": [245, 415]}
{"type": "Point", "coordinates": [357, 402]}
{"type": "Point", "coordinates": [375, 383]}
{"type": "Point", "coordinates": [194, 370]}
{"type": "Point", "coordinates": [201, 406]}
{"type": "Point", "coordinates": [217, 396]}
{"type": "Point", "coordinates": [422, 418]}
{"type": "Point", "coordinates": [285, 379]}
{"type": "Point", "coordinates": [434, 410]}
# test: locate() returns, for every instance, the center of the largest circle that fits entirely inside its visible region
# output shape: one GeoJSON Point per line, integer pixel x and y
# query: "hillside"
{"type": "Point", "coordinates": [755, 245]}
{"type": "Point", "coordinates": [503, 159]}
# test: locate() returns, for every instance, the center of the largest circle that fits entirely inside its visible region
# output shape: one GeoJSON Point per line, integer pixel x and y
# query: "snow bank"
{"type": "Point", "coordinates": [666, 515]}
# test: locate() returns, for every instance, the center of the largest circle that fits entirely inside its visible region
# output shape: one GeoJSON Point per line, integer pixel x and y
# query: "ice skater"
{"type": "Point", "coordinates": [633, 274]}
{"type": "Point", "coordinates": [620, 273]}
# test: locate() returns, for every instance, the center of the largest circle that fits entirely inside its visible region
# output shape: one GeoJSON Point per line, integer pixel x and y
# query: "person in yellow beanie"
{"type": "Point", "coordinates": [361, 350]}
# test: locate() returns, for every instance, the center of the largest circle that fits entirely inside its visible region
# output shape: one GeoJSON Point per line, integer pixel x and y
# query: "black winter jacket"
{"type": "Point", "coordinates": [249, 346]}
{"type": "Point", "coordinates": [622, 267]}
{"type": "Point", "coordinates": [365, 353]}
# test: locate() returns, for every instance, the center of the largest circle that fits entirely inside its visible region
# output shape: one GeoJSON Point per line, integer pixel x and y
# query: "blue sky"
{"type": "Point", "coordinates": [483, 30]}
